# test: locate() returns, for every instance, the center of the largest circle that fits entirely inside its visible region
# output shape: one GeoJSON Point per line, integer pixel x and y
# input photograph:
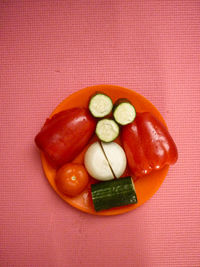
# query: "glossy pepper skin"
{"type": "Point", "coordinates": [148, 145]}
{"type": "Point", "coordinates": [64, 135]}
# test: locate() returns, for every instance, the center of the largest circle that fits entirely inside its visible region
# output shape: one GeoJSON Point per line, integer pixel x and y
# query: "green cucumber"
{"type": "Point", "coordinates": [107, 130]}
{"type": "Point", "coordinates": [100, 105]}
{"type": "Point", "coordinates": [123, 111]}
{"type": "Point", "coordinates": [114, 193]}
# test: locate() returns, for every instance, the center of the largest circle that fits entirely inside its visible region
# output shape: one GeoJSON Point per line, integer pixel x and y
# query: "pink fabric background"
{"type": "Point", "coordinates": [50, 49]}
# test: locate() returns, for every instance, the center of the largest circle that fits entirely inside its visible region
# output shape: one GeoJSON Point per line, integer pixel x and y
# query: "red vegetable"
{"type": "Point", "coordinates": [64, 135]}
{"type": "Point", "coordinates": [148, 144]}
{"type": "Point", "coordinates": [71, 179]}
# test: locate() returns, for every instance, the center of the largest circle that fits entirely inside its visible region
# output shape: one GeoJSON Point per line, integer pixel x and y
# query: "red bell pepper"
{"type": "Point", "coordinates": [148, 144]}
{"type": "Point", "coordinates": [64, 135]}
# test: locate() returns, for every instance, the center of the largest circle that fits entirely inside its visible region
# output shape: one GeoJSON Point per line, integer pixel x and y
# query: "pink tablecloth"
{"type": "Point", "coordinates": [50, 49]}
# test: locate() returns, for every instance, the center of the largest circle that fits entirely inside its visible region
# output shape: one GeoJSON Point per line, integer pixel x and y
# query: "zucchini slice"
{"type": "Point", "coordinates": [123, 111]}
{"type": "Point", "coordinates": [114, 193]}
{"type": "Point", "coordinates": [107, 130]}
{"type": "Point", "coordinates": [100, 105]}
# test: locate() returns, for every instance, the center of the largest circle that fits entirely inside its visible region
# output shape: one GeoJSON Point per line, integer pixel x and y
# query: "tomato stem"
{"type": "Point", "coordinates": [73, 178]}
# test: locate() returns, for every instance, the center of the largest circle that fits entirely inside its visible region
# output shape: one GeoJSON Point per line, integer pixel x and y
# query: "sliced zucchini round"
{"type": "Point", "coordinates": [100, 105]}
{"type": "Point", "coordinates": [107, 130]}
{"type": "Point", "coordinates": [123, 111]}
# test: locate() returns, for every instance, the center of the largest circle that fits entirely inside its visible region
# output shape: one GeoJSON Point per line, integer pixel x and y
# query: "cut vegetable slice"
{"type": "Point", "coordinates": [115, 193]}
{"type": "Point", "coordinates": [107, 130]}
{"type": "Point", "coordinates": [116, 157]}
{"type": "Point", "coordinates": [97, 164]}
{"type": "Point", "coordinates": [123, 111]}
{"type": "Point", "coordinates": [105, 161]}
{"type": "Point", "coordinates": [100, 105]}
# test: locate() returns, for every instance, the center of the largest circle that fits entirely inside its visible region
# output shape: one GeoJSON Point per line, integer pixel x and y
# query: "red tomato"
{"type": "Point", "coordinates": [64, 136]}
{"type": "Point", "coordinates": [71, 179]}
{"type": "Point", "coordinates": [148, 144]}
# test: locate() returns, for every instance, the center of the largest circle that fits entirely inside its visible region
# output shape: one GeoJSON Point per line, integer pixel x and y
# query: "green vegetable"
{"type": "Point", "coordinates": [114, 193]}
{"type": "Point", "coordinates": [100, 105]}
{"type": "Point", "coordinates": [107, 130]}
{"type": "Point", "coordinates": [123, 111]}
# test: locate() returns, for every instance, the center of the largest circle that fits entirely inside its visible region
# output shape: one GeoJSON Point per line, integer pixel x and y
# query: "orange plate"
{"type": "Point", "coordinates": [145, 186]}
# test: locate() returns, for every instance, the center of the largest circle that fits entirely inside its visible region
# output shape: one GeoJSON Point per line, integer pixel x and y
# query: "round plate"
{"type": "Point", "coordinates": [145, 186]}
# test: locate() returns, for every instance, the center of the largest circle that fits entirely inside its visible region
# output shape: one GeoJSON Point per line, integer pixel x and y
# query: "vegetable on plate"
{"type": "Point", "coordinates": [107, 130]}
{"type": "Point", "coordinates": [123, 111]}
{"type": "Point", "coordinates": [148, 145]}
{"type": "Point", "coordinates": [100, 105]}
{"type": "Point", "coordinates": [64, 136]}
{"type": "Point", "coordinates": [105, 161]}
{"type": "Point", "coordinates": [71, 179]}
{"type": "Point", "coordinates": [115, 193]}
{"type": "Point", "coordinates": [116, 158]}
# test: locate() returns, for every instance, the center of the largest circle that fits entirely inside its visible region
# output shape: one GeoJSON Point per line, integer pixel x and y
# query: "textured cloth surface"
{"type": "Point", "coordinates": [50, 49]}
